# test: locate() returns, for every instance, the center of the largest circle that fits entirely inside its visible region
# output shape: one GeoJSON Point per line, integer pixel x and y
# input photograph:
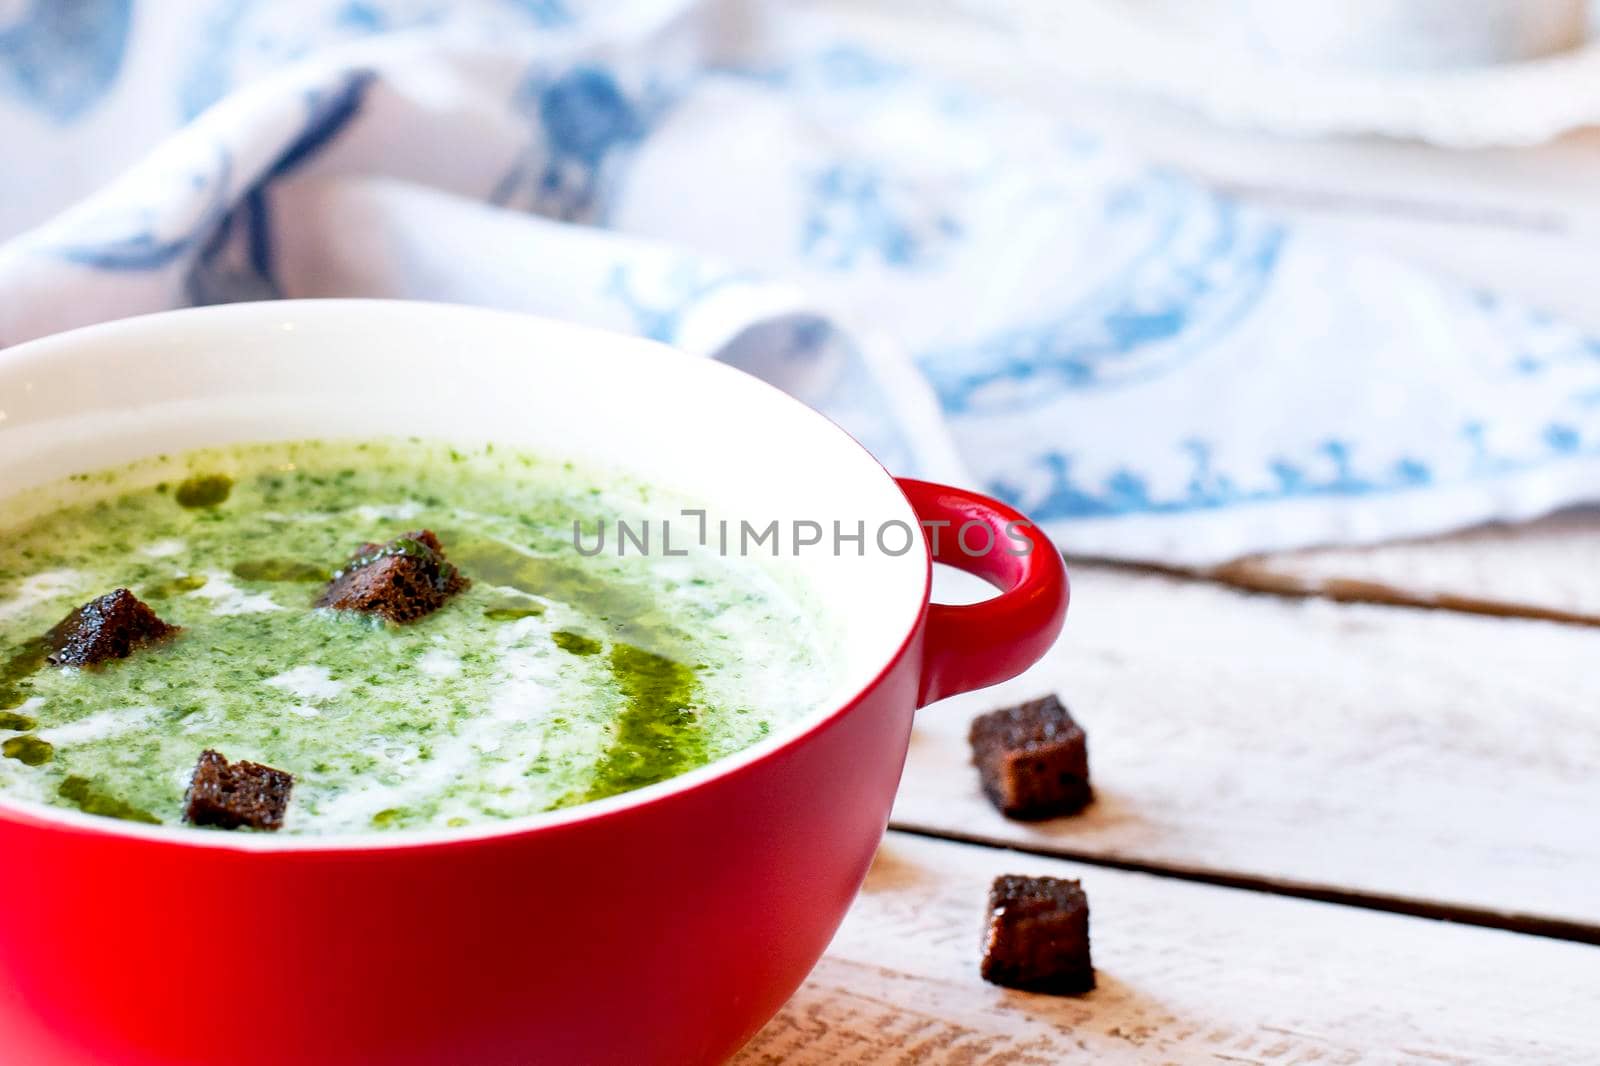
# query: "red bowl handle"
{"type": "Point", "coordinates": [981, 644]}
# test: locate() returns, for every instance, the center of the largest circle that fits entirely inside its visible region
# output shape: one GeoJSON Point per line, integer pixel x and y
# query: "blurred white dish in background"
{"type": "Point", "coordinates": [1410, 34]}
{"type": "Point", "coordinates": [1213, 56]}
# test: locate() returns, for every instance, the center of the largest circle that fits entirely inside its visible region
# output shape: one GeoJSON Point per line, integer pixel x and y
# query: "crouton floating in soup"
{"type": "Point", "coordinates": [110, 627]}
{"type": "Point", "coordinates": [229, 795]}
{"type": "Point", "coordinates": [402, 580]}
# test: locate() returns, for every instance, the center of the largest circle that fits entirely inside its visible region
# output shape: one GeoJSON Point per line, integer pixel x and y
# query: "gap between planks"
{"type": "Point", "coordinates": [1546, 570]}
{"type": "Point", "coordinates": [1260, 575]}
{"type": "Point", "coordinates": [1527, 924]}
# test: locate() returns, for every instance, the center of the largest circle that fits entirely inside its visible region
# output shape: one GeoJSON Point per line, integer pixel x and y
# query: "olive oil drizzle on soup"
{"type": "Point", "coordinates": [552, 680]}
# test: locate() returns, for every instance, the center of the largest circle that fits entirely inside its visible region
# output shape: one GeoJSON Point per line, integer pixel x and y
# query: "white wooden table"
{"type": "Point", "coordinates": [1349, 800]}
{"type": "Point", "coordinates": [1325, 832]}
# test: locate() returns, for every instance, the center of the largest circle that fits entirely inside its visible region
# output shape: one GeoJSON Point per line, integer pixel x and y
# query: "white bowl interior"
{"type": "Point", "coordinates": [107, 395]}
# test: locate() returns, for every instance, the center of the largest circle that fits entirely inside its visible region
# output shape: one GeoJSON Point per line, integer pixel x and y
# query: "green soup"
{"type": "Point", "coordinates": [556, 677]}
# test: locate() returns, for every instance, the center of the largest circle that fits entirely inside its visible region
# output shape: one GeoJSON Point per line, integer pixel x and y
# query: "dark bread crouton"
{"type": "Point", "coordinates": [403, 580]}
{"type": "Point", "coordinates": [1033, 759]}
{"type": "Point", "coordinates": [111, 627]}
{"type": "Point", "coordinates": [1037, 936]}
{"type": "Point", "coordinates": [229, 795]}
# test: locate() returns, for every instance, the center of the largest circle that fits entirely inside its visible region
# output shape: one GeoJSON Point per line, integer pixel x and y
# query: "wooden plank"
{"type": "Point", "coordinates": [1423, 757]}
{"type": "Point", "coordinates": [1187, 973]}
{"type": "Point", "coordinates": [1545, 569]}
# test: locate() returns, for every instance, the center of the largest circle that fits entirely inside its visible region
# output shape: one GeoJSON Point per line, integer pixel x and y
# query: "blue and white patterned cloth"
{"type": "Point", "coordinates": [977, 292]}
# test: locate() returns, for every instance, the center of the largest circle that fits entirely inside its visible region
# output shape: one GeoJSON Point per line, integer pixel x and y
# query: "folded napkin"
{"type": "Point", "coordinates": [976, 291]}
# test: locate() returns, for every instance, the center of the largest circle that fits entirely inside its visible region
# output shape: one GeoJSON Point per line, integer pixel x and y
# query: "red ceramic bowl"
{"type": "Point", "coordinates": [663, 926]}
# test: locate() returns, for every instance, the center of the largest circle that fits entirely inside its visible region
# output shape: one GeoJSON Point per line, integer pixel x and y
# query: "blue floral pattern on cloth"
{"type": "Point", "coordinates": [1330, 471]}
{"type": "Point", "coordinates": [143, 237]}
{"type": "Point", "coordinates": [60, 57]}
{"type": "Point", "coordinates": [853, 214]}
{"type": "Point", "coordinates": [240, 39]}
{"type": "Point", "coordinates": [585, 119]}
{"type": "Point", "coordinates": [973, 289]}
{"type": "Point", "coordinates": [149, 236]}
{"type": "Point", "coordinates": [236, 262]}
{"type": "Point", "coordinates": [659, 301]}
{"type": "Point", "coordinates": [1196, 267]}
